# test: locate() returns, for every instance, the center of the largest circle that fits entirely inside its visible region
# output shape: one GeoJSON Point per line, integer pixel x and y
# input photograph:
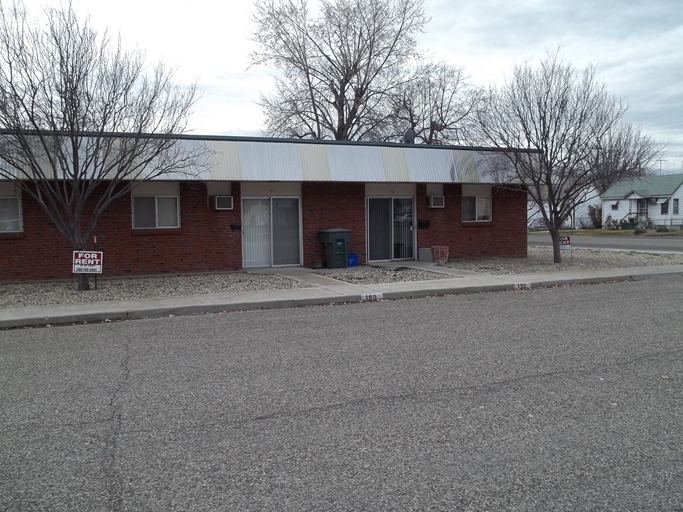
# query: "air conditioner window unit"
{"type": "Point", "coordinates": [220, 202]}
{"type": "Point", "coordinates": [437, 201]}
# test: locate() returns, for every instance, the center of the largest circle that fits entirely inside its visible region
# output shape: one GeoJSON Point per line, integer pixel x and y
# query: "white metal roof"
{"type": "Point", "coordinates": [262, 159]}
{"type": "Point", "coordinates": [269, 160]}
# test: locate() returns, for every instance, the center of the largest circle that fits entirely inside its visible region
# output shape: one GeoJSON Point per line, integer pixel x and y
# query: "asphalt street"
{"type": "Point", "coordinates": [638, 243]}
{"type": "Point", "coordinates": [567, 398]}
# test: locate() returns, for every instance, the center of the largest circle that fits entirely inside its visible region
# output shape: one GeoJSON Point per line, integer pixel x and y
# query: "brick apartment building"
{"type": "Point", "coordinates": [263, 202]}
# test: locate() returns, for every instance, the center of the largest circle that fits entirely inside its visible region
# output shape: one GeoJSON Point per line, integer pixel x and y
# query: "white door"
{"type": "Point", "coordinates": [271, 231]}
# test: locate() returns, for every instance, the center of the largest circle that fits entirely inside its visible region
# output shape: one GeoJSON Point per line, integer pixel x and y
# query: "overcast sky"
{"type": "Point", "coordinates": [637, 46]}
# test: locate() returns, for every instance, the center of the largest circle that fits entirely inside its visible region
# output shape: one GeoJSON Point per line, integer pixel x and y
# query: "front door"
{"type": "Point", "coordinates": [642, 210]}
{"type": "Point", "coordinates": [390, 228]}
{"type": "Point", "coordinates": [271, 231]}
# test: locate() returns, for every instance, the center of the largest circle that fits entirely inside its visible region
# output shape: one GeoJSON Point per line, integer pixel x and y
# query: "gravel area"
{"type": "Point", "coordinates": [365, 274]}
{"type": "Point", "coordinates": [539, 260]}
{"type": "Point", "coordinates": [64, 292]}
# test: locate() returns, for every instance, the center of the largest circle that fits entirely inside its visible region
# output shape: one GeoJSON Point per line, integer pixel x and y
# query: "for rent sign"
{"type": "Point", "coordinates": [88, 262]}
{"type": "Point", "coordinates": [565, 243]}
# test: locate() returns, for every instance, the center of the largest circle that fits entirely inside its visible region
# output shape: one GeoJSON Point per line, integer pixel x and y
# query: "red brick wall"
{"type": "Point", "coordinates": [330, 206]}
{"type": "Point", "coordinates": [505, 235]}
{"type": "Point", "coordinates": [206, 241]}
{"type": "Point", "coordinates": [40, 251]}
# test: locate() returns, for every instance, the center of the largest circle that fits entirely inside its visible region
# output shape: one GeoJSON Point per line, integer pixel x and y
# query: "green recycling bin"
{"type": "Point", "coordinates": [336, 242]}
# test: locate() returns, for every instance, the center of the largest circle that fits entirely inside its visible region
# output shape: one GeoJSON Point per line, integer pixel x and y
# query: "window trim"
{"type": "Point", "coordinates": [20, 211]}
{"type": "Point", "coordinates": [156, 212]}
{"type": "Point", "coordinates": [675, 207]}
{"type": "Point", "coordinates": [476, 201]}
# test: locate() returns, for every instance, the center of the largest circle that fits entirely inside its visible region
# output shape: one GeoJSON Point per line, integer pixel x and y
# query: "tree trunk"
{"type": "Point", "coordinates": [83, 279]}
{"type": "Point", "coordinates": [79, 243]}
{"type": "Point", "coordinates": [83, 282]}
{"type": "Point", "coordinates": [555, 236]}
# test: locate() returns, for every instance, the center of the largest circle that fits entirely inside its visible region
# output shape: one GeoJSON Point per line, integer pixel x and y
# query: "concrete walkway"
{"type": "Point", "coordinates": [323, 290]}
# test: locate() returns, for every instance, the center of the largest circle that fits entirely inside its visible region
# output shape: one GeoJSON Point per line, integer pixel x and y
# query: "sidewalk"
{"type": "Point", "coordinates": [324, 290]}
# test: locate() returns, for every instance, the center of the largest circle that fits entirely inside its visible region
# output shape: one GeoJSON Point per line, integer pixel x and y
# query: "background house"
{"type": "Point", "coordinates": [262, 203]}
{"type": "Point", "coordinates": [578, 216]}
{"type": "Point", "coordinates": [651, 201]}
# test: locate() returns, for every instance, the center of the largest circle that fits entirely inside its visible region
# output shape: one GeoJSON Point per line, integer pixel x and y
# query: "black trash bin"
{"type": "Point", "coordinates": [336, 243]}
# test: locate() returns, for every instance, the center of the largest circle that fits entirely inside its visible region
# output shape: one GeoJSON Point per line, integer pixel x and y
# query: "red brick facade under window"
{"type": "Point", "coordinates": [505, 235]}
{"type": "Point", "coordinates": [210, 240]}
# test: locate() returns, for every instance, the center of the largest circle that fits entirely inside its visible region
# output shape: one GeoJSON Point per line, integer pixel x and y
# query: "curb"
{"type": "Point", "coordinates": [661, 275]}
{"type": "Point", "coordinates": [209, 308]}
{"type": "Point", "coordinates": [160, 312]}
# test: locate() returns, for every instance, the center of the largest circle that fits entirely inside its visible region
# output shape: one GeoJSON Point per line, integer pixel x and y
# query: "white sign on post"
{"type": "Point", "coordinates": [565, 243]}
{"type": "Point", "coordinates": [87, 262]}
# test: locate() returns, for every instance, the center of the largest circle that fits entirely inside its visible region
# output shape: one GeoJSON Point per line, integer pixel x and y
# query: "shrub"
{"type": "Point", "coordinates": [639, 230]}
{"type": "Point", "coordinates": [662, 229]}
{"type": "Point", "coordinates": [595, 214]}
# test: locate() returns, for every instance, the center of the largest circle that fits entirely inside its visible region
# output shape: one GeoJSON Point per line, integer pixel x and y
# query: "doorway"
{"type": "Point", "coordinates": [390, 228]}
{"type": "Point", "coordinates": [642, 210]}
{"type": "Point", "coordinates": [271, 231]}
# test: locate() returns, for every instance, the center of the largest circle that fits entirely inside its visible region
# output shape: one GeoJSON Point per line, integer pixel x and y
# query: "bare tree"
{"type": "Point", "coordinates": [337, 68]}
{"type": "Point", "coordinates": [560, 115]}
{"type": "Point", "coordinates": [624, 152]}
{"type": "Point", "coordinates": [438, 103]}
{"type": "Point", "coordinates": [82, 121]}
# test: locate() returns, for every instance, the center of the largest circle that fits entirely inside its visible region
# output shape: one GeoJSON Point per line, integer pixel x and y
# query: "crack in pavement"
{"type": "Point", "coordinates": [471, 392]}
{"type": "Point", "coordinates": [114, 481]}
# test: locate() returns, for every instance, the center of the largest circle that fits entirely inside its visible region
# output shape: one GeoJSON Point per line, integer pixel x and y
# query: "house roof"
{"type": "Point", "coordinates": [646, 186]}
{"type": "Point", "coordinates": [267, 159]}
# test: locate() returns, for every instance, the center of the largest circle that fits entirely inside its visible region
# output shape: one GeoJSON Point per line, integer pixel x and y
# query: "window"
{"type": "Point", "coordinates": [10, 215]}
{"type": "Point", "coordinates": [675, 212]}
{"type": "Point", "coordinates": [665, 207]}
{"type": "Point", "coordinates": [615, 206]}
{"type": "Point", "coordinates": [476, 208]}
{"type": "Point", "coordinates": [155, 212]}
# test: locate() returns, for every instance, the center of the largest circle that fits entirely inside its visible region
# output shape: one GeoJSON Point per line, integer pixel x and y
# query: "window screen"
{"type": "Point", "coordinates": [167, 212]}
{"type": "Point", "coordinates": [144, 212]}
{"type": "Point", "coordinates": [469, 208]}
{"type": "Point", "coordinates": [483, 208]}
{"type": "Point", "coordinates": [10, 219]}
{"type": "Point", "coordinates": [476, 208]}
{"type": "Point", "coordinates": [155, 212]}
